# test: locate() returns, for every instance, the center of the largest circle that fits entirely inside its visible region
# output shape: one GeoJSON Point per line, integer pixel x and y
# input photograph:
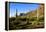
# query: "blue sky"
{"type": "Point", "coordinates": [22, 8]}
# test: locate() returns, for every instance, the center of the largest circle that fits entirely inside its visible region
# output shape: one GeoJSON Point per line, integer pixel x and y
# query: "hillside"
{"type": "Point", "coordinates": [39, 11]}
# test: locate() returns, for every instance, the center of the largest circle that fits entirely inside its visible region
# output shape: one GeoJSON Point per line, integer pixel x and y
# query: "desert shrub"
{"type": "Point", "coordinates": [12, 19]}
{"type": "Point", "coordinates": [22, 19]}
{"type": "Point", "coordinates": [11, 26]}
{"type": "Point", "coordinates": [33, 19]}
{"type": "Point", "coordinates": [16, 23]}
{"type": "Point", "coordinates": [41, 19]}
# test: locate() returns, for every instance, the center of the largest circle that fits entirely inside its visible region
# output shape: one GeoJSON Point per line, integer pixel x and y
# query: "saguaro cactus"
{"type": "Point", "coordinates": [16, 13]}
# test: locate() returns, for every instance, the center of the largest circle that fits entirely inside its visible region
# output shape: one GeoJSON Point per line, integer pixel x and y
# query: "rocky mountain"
{"type": "Point", "coordinates": [37, 12]}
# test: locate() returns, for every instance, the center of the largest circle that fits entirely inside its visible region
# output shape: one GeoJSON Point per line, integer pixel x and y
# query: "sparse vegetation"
{"type": "Point", "coordinates": [29, 21]}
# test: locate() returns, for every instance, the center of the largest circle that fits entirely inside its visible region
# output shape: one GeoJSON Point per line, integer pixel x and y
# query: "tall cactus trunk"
{"type": "Point", "coordinates": [16, 13]}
